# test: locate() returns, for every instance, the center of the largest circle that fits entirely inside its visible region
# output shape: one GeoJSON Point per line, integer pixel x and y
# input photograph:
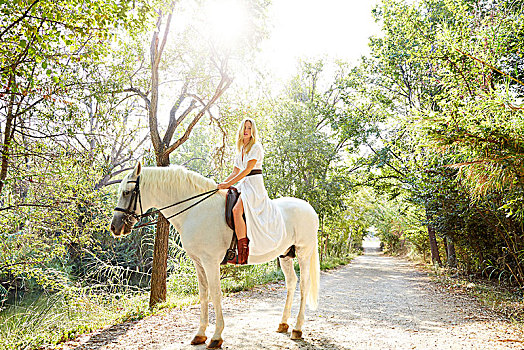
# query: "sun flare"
{"type": "Point", "coordinates": [227, 21]}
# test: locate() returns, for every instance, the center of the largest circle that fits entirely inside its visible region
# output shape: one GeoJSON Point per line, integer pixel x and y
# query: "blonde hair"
{"type": "Point", "coordinates": [240, 139]}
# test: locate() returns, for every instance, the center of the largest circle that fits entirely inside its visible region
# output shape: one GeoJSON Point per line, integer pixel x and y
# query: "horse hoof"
{"type": "Point", "coordinates": [215, 344]}
{"type": "Point", "coordinates": [198, 339]}
{"type": "Point", "coordinates": [296, 334]}
{"type": "Point", "coordinates": [282, 328]}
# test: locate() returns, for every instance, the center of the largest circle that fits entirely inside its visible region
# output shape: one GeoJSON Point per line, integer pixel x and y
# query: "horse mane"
{"type": "Point", "coordinates": [174, 177]}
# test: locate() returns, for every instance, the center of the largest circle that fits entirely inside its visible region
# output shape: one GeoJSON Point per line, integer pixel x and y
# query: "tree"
{"type": "Point", "coordinates": [44, 46]}
{"type": "Point", "coordinates": [452, 141]}
{"type": "Point", "coordinates": [57, 114]}
{"type": "Point", "coordinates": [305, 160]}
{"type": "Point", "coordinates": [203, 68]}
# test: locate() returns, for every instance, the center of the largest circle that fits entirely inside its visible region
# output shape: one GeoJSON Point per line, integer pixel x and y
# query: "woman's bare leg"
{"type": "Point", "coordinates": [240, 225]}
{"type": "Point", "coordinates": [240, 229]}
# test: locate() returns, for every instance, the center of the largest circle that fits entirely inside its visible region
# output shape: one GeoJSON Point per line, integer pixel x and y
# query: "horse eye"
{"type": "Point", "coordinates": [126, 192]}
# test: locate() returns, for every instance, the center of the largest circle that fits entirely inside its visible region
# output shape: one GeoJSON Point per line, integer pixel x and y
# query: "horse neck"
{"type": "Point", "coordinates": [159, 195]}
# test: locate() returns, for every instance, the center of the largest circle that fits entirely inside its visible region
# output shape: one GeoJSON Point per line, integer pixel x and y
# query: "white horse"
{"type": "Point", "coordinates": [206, 237]}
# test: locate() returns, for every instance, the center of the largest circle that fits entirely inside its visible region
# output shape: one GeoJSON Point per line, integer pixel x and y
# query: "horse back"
{"type": "Point", "coordinates": [300, 219]}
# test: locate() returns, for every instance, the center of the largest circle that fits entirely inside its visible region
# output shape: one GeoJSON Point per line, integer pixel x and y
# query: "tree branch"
{"type": "Point", "coordinates": [221, 88]}
{"type": "Point", "coordinates": [112, 182]}
{"type": "Point", "coordinates": [490, 66]}
{"type": "Point", "coordinates": [391, 166]}
{"type": "Point", "coordinates": [19, 19]}
{"type": "Point", "coordinates": [153, 106]}
{"type": "Point", "coordinates": [139, 93]}
{"type": "Point", "coordinates": [164, 39]}
{"type": "Point", "coordinates": [173, 122]}
{"type": "Point", "coordinates": [32, 205]}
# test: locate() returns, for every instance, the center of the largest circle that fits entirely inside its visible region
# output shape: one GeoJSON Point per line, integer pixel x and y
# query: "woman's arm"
{"type": "Point", "coordinates": [230, 181]}
{"type": "Point", "coordinates": [233, 174]}
{"type": "Point", "coordinates": [223, 185]}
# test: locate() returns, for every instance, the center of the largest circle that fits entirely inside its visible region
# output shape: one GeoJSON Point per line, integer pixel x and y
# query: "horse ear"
{"type": "Point", "coordinates": [137, 170]}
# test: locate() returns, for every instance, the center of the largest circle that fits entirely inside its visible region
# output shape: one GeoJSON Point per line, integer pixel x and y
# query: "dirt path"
{"type": "Point", "coordinates": [376, 302]}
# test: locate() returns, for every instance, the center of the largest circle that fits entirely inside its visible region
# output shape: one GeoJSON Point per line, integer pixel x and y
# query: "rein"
{"type": "Point", "coordinates": [136, 197]}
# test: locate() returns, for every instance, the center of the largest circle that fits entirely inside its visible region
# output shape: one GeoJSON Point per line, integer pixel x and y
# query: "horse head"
{"type": "Point", "coordinates": [129, 203]}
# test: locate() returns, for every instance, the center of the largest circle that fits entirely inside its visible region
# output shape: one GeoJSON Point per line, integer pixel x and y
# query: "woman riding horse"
{"type": "Point", "coordinates": [264, 225]}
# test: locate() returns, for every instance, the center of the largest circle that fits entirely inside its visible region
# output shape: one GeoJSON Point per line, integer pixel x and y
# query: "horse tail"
{"type": "Point", "coordinates": [314, 279]}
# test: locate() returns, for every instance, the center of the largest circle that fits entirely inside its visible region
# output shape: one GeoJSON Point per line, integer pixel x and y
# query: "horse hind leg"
{"type": "Point", "coordinates": [200, 337]}
{"type": "Point", "coordinates": [291, 283]}
{"type": "Point", "coordinates": [304, 260]}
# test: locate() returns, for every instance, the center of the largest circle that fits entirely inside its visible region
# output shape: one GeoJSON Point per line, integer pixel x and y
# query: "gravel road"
{"type": "Point", "coordinates": [376, 302]}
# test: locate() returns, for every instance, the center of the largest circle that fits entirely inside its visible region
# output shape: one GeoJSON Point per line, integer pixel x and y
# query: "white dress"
{"type": "Point", "coordinates": [264, 222]}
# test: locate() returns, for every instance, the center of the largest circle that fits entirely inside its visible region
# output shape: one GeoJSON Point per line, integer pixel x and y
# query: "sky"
{"type": "Point", "coordinates": [298, 29]}
{"type": "Point", "coordinates": [337, 29]}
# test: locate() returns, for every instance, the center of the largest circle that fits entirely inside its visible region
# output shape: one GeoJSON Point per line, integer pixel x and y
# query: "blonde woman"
{"type": "Point", "coordinates": [264, 225]}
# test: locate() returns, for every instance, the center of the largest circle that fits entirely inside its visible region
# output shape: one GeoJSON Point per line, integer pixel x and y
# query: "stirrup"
{"type": "Point", "coordinates": [230, 255]}
{"type": "Point", "coordinates": [234, 260]}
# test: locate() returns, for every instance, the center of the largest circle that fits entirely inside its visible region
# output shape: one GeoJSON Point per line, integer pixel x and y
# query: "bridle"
{"type": "Point", "coordinates": [136, 198]}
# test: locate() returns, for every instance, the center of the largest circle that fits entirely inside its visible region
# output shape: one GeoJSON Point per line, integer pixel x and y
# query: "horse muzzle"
{"type": "Point", "coordinates": [121, 225]}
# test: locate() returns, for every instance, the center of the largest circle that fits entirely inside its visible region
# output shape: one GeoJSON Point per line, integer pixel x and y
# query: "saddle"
{"type": "Point", "coordinates": [231, 199]}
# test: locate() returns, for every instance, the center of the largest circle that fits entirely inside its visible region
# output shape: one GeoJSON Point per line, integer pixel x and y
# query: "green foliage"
{"type": "Point", "coordinates": [305, 160]}
{"type": "Point", "coordinates": [45, 45]}
{"type": "Point", "coordinates": [444, 76]}
{"type": "Point", "coordinates": [235, 279]}
{"type": "Point", "coordinates": [50, 319]}
{"type": "Point", "coordinates": [334, 262]}
{"type": "Point", "coordinates": [50, 215]}
{"type": "Point", "coordinates": [425, 133]}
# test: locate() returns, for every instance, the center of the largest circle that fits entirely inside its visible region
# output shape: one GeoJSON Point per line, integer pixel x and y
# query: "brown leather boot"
{"type": "Point", "coordinates": [242, 254]}
{"type": "Point", "coordinates": [243, 250]}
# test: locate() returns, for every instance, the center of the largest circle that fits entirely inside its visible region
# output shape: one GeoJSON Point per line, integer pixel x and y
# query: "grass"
{"type": "Point", "coordinates": [333, 262]}
{"type": "Point", "coordinates": [55, 318]}
{"type": "Point", "coordinates": [61, 316]}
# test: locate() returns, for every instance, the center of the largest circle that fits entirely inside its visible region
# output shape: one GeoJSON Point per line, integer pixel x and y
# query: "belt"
{"type": "Point", "coordinates": [255, 172]}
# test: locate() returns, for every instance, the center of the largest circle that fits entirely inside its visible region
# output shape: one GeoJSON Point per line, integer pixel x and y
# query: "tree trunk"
{"type": "Point", "coordinates": [163, 146]}
{"type": "Point", "coordinates": [8, 136]}
{"type": "Point", "coordinates": [435, 256]}
{"type": "Point", "coordinates": [326, 241]}
{"type": "Point", "coordinates": [445, 241]}
{"type": "Point", "coordinates": [350, 245]}
{"type": "Point", "coordinates": [452, 256]}
{"type": "Point", "coordinates": [159, 273]}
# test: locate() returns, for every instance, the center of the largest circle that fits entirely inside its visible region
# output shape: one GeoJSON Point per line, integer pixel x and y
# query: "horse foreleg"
{"type": "Point", "coordinates": [200, 337]}
{"type": "Point", "coordinates": [291, 283]}
{"type": "Point", "coordinates": [304, 263]}
{"type": "Point", "coordinates": [213, 278]}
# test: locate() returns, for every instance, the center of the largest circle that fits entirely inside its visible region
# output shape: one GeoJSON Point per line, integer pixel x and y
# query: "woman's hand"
{"type": "Point", "coordinates": [223, 186]}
